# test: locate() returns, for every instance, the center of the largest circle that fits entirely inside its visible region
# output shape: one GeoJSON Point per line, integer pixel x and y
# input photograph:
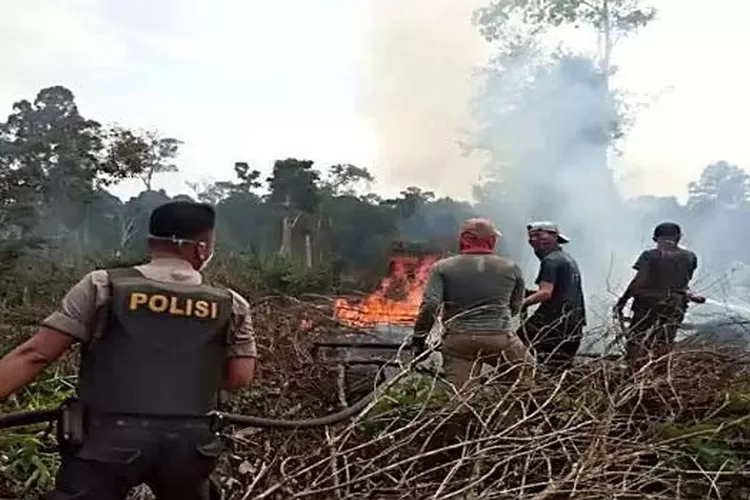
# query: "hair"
{"type": "Point", "coordinates": [479, 227]}
{"type": "Point", "coordinates": [182, 220]}
{"type": "Point", "coordinates": [668, 230]}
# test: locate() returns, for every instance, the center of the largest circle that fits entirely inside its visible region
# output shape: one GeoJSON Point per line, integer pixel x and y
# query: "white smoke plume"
{"type": "Point", "coordinates": [418, 73]}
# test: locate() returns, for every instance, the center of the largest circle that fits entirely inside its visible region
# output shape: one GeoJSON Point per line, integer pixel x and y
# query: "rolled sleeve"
{"type": "Point", "coordinates": [76, 315]}
{"type": "Point", "coordinates": [241, 338]}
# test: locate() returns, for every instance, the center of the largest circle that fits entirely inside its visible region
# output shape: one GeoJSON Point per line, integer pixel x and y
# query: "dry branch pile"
{"type": "Point", "coordinates": [676, 429]}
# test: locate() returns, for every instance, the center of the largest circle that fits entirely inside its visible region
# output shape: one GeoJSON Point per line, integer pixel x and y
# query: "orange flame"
{"type": "Point", "coordinates": [396, 300]}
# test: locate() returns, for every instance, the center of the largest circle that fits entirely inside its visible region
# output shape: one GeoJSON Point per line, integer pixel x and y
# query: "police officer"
{"type": "Point", "coordinates": [159, 345]}
{"type": "Point", "coordinates": [555, 329]}
{"type": "Point", "coordinates": [660, 293]}
{"type": "Point", "coordinates": [478, 292]}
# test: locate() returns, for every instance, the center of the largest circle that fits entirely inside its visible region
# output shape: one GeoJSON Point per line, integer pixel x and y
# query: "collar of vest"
{"type": "Point", "coordinates": [159, 266]}
{"type": "Point", "coordinates": [173, 262]}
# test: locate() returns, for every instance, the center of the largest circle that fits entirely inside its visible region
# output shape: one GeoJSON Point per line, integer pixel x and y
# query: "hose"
{"type": "Point", "coordinates": [38, 416]}
{"type": "Point", "coordinates": [308, 423]}
{"type": "Point", "coordinates": [219, 417]}
{"type": "Point", "coordinates": [28, 418]}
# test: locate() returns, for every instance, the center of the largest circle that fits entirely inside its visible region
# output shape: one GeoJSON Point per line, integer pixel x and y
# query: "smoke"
{"type": "Point", "coordinates": [540, 126]}
{"type": "Point", "coordinates": [547, 123]}
{"type": "Point", "coordinates": [419, 79]}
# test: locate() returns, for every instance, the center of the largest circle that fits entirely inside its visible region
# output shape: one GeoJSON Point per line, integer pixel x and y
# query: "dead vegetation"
{"type": "Point", "coordinates": [676, 429]}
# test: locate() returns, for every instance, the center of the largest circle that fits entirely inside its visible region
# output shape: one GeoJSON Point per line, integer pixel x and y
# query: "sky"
{"type": "Point", "coordinates": [377, 83]}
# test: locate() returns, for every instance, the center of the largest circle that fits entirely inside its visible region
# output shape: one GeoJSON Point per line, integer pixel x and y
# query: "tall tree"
{"type": "Point", "coordinates": [143, 153]}
{"type": "Point", "coordinates": [346, 179]}
{"type": "Point", "coordinates": [611, 19]}
{"type": "Point", "coordinates": [52, 161]}
{"type": "Point", "coordinates": [295, 182]}
{"type": "Point", "coordinates": [721, 185]}
{"type": "Point", "coordinates": [412, 199]}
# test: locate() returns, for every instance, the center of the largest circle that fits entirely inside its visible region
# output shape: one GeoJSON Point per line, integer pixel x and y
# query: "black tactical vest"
{"type": "Point", "coordinates": [162, 349]}
{"type": "Point", "coordinates": [471, 281]}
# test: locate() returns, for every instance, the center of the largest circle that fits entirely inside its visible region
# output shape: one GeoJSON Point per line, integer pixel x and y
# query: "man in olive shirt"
{"type": "Point", "coordinates": [478, 293]}
{"type": "Point", "coordinates": [159, 344]}
{"type": "Point", "coordinates": [660, 293]}
{"type": "Point", "coordinates": [555, 329]}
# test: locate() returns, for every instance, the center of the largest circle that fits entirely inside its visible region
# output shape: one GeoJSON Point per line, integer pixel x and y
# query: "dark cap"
{"type": "Point", "coordinates": [184, 220]}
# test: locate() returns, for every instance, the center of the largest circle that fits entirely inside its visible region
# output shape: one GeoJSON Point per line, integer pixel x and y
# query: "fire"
{"type": "Point", "coordinates": [397, 298]}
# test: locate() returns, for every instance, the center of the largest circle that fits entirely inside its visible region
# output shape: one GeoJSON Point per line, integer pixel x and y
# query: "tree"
{"type": "Point", "coordinates": [721, 185]}
{"type": "Point", "coordinates": [612, 20]}
{"type": "Point", "coordinates": [52, 162]}
{"type": "Point", "coordinates": [411, 201]}
{"type": "Point", "coordinates": [142, 153]}
{"type": "Point", "coordinates": [295, 182]}
{"type": "Point", "coordinates": [216, 192]}
{"type": "Point", "coordinates": [346, 178]}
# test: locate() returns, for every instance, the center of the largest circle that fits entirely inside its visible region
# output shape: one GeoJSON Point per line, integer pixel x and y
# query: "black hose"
{"type": "Point", "coordinates": [308, 423]}
{"type": "Point", "coordinates": [34, 417]}
{"type": "Point", "coordinates": [28, 418]}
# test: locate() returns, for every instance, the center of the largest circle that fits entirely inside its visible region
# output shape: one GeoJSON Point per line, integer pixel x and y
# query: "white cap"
{"type": "Point", "coordinates": [549, 227]}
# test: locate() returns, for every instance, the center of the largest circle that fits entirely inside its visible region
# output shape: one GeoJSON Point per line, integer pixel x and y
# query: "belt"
{"type": "Point", "coordinates": [148, 421]}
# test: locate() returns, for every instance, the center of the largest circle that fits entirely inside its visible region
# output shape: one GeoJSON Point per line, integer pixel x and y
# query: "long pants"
{"type": "Point", "coordinates": [174, 458]}
{"type": "Point", "coordinates": [464, 355]}
{"type": "Point", "coordinates": [555, 343]}
{"type": "Point", "coordinates": [654, 327]}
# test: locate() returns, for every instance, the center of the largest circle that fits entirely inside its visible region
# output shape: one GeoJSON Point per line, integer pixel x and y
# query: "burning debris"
{"type": "Point", "coordinates": [397, 298]}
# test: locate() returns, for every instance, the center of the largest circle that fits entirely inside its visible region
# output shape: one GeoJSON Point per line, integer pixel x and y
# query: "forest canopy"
{"type": "Point", "coordinates": [56, 166]}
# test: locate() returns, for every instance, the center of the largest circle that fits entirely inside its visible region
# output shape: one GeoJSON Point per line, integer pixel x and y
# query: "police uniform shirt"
{"type": "Point", "coordinates": [78, 310]}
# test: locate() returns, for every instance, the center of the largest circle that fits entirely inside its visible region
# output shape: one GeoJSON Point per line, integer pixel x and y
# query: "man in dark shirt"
{"type": "Point", "coordinates": [556, 327]}
{"type": "Point", "coordinates": [660, 293]}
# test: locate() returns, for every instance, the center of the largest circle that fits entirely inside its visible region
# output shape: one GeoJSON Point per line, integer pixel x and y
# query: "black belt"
{"type": "Point", "coordinates": [149, 421]}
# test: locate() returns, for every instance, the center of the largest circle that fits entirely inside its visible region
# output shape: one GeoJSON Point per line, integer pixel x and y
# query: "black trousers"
{"type": "Point", "coordinates": [654, 326]}
{"type": "Point", "coordinates": [174, 458]}
{"type": "Point", "coordinates": [554, 343]}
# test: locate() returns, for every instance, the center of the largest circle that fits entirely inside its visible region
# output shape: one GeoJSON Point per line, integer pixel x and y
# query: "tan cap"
{"type": "Point", "coordinates": [479, 227]}
{"type": "Point", "coordinates": [549, 227]}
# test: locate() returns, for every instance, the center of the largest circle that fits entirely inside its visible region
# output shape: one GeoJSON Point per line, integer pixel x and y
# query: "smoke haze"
{"type": "Point", "coordinates": [418, 76]}
{"type": "Point", "coordinates": [539, 127]}
{"type": "Point", "coordinates": [424, 97]}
